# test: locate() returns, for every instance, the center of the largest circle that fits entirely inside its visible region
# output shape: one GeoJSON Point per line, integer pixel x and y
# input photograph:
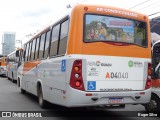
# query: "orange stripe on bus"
{"type": "Point", "coordinates": [3, 61]}
{"type": "Point", "coordinates": [30, 65]}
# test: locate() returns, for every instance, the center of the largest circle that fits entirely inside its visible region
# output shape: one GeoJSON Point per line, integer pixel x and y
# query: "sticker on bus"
{"type": "Point", "coordinates": [63, 66]}
{"type": "Point", "coordinates": [91, 85]}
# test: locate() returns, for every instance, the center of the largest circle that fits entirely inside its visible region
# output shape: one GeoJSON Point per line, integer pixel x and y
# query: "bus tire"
{"type": "Point", "coordinates": [13, 78]}
{"type": "Point", "coordinates": [18, 82]}
{"type": "Point", "coordinates": [41, 101]}
{"type": "Point", "coordinates": [23, 91]}
{"type": "Point", "coordinates": [153, 105]}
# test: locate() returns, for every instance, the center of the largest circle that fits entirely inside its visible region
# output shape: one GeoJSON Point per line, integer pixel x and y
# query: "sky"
{"type": "Point", "coordinates": [25, 17]}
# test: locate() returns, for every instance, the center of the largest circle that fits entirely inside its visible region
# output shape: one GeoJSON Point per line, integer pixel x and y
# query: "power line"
{"type": "Point", "coordinates": [153, 13]}
{"type": "Point", "coordinates": [154, 24]}
{"type": "Point", "coordinates": [139, 4]}
{"type": "Point", "coordinates": [148, 6]}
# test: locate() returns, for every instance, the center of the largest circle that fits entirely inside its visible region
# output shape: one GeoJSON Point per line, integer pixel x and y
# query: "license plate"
{"type": "Point", "coordinates": [115, 100]}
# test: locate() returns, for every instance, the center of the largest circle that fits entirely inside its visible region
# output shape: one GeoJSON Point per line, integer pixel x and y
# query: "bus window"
{"type": "Point", "coordinates": [26, 52]}
{"type": "Point", "coordinates": [100, 28]}
{"type": "Point", "coordinates": [54, 40]}
{"type": "Point", "coordinates": [140, 33]}
{"type": "Point", "coordinates": [63, 38]}
{"type": "Point", "coordinates": [33, 49]}
{"type": "Point", "coordinates": [37, 48]}
{"type": "Point", "coordinates": [29, 52]}
{"type": "Point", "coordinates": [41, 48]}
{"type": "Point", "coordinates": [47, 44]}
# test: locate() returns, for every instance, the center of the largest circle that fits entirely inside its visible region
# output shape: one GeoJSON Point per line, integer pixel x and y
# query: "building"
{"type": "Point", "coordinates": [8, 42]}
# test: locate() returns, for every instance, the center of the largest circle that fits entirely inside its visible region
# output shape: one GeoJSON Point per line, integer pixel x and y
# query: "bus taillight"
{"type": "Point", "coordinates": [78, 83]}
{"type": "Point", "coordinates": [149, 70]}
{"type": "Point", "coordinates": [148, 82]}
{"type": "Point", "coordinates": [76, 80]}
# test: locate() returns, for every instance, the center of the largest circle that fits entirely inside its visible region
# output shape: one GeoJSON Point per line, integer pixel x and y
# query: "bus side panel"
{"type": "Point", "coordinates": [52, 74]}
{"type": "Point", "coordinates": [29, 78]}
{"type": "Point", "coordinates": [15, 71]}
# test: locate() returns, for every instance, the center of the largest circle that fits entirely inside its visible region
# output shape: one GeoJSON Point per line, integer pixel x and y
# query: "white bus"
{"type": "Point", "coordinates": [95, 56]}
{"type": "Point", "coordinates": [13, 62]}
{"type": "Point", "coordinates": [154, 104]}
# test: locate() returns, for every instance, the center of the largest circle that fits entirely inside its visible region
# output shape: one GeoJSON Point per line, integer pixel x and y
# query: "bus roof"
{"type": "Point", "coordinates": [96, 9]}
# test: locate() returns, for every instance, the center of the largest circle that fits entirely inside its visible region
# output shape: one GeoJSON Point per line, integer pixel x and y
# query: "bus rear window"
{"type": "Point", "coordinates": [100, 28]}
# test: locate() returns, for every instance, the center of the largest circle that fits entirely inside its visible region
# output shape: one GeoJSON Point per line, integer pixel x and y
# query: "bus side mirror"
{"type": "Point", "coordinates": [17, 53]}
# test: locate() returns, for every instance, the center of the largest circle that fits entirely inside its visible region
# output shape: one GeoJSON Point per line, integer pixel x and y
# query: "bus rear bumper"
{"type": "Point", "coordinates": [76, 98]}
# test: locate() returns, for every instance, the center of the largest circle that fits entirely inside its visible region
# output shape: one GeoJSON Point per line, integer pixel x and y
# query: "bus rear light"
{"type": "Point", "coordinates": [149, 69]}
{"type": "Point", "coordinates": [76, 80]}
{"type": "Point", "coordinates": [77, 83]}
{"type": "Point", "coordinates": [76, 69]}
{"type": "Point", "coordinates": [148, 82]}
{"type": "Point", "coordinates": [144, 17]}
{"type": "Point", "coordinates": [76, 75]}
{"type": "Point", "coordinates": [149, 77]}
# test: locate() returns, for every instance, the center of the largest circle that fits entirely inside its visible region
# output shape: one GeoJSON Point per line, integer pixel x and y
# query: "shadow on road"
{"type": "Point", "coordinates": [2, 76]}
{"type": "Point", "coordinates": [53, 110]}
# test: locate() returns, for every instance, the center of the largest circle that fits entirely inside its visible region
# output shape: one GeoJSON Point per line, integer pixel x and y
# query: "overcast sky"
{"type": "Point", "coordinates": [28, 16]}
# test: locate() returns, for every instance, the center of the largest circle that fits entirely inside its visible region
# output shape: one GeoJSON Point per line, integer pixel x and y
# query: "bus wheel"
{"type": "Point", "coordinates": [23, 91]}
{"type": "Point", "coordinates": [18, 82]}
{"type": "Point", "coordinates": [12, 78]}
{"type": "Point", "coordinates": [153, 105]}
{"type": "Point", "coordinates": [41, 101]}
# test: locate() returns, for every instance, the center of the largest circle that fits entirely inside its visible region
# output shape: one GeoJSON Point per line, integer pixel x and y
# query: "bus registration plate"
{"type": "Point", "coordinates": [115, 100]}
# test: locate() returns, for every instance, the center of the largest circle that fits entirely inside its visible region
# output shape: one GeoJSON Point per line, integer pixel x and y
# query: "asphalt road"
{"type": "Point", "coordinates": [12, 100]}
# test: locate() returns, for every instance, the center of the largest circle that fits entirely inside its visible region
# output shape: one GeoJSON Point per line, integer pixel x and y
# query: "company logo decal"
{"type": "Point", "coordinates": [98, 63]}
{"type": "Point", "coordinates": [136, 64]}
{"type": "Point", "coordinates": [130, 63]}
